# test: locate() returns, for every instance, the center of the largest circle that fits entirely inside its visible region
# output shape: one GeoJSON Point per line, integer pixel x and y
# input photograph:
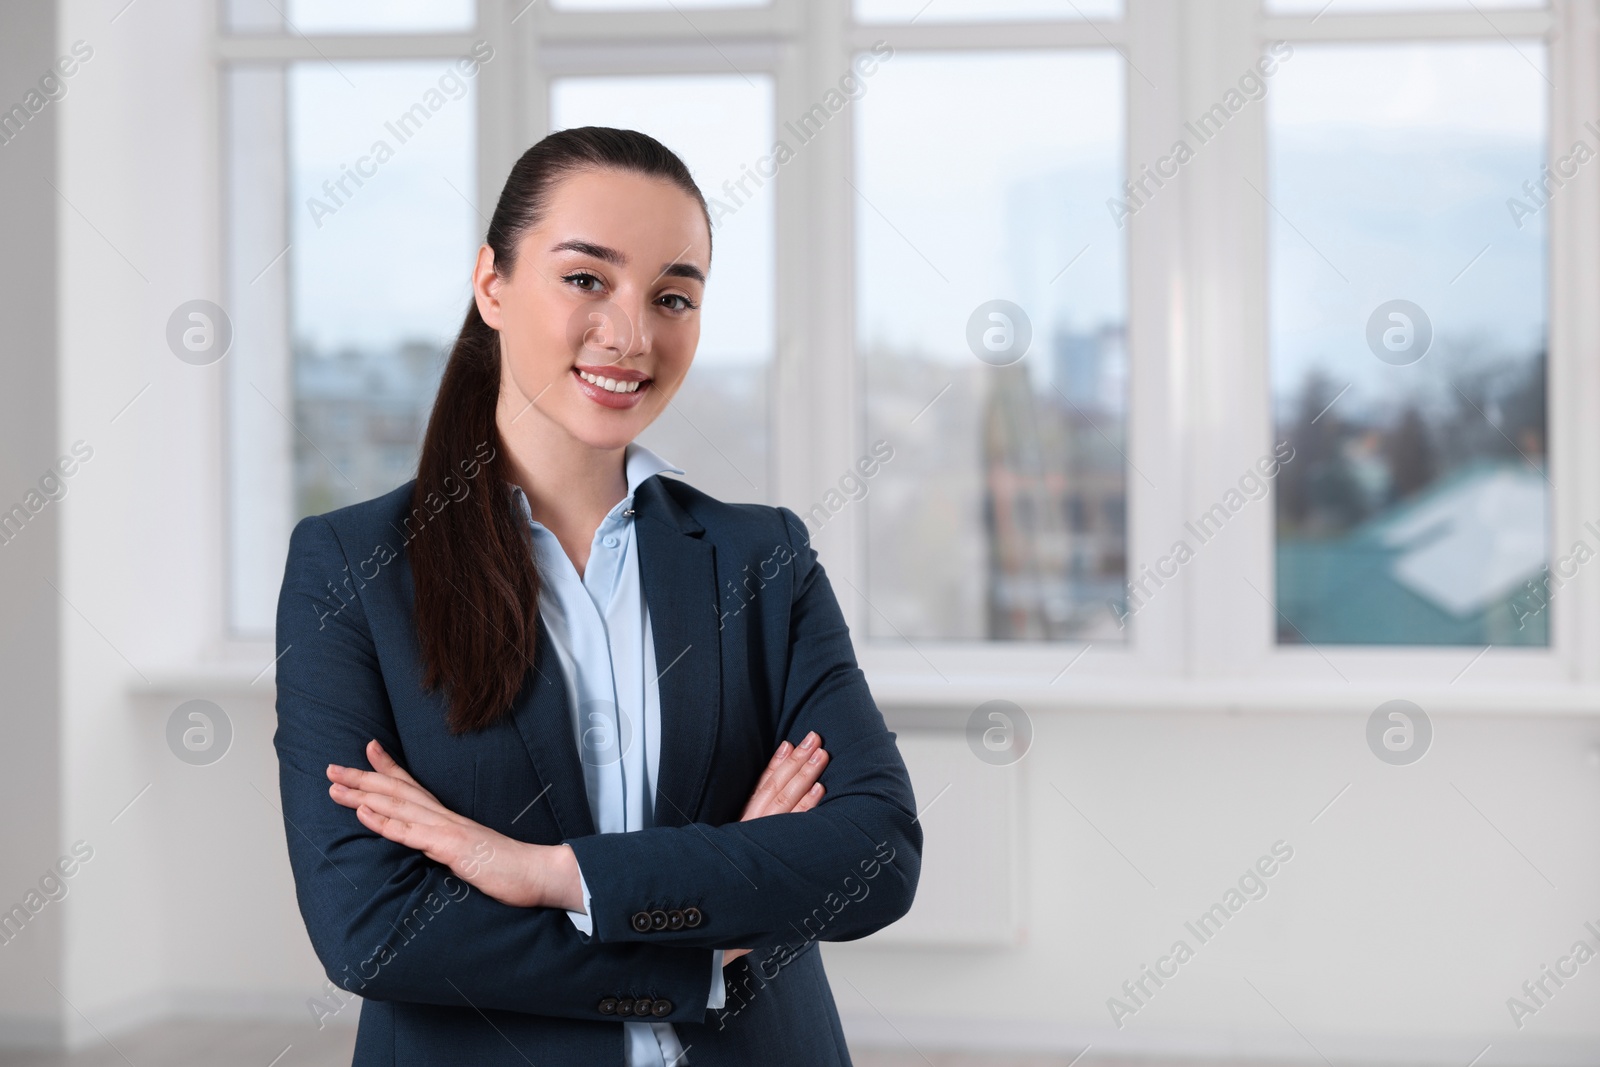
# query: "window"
{"type": "Point", "coordinates": [382, 238]}
{"type": "Point", "coordinates": [353, 229]}
{"type": "Point", "coordinates": [1409, 342]}
{"type": "Point", "coordinates": [981, 270]}
{"type": "Point", "coordinates": [990, 322]}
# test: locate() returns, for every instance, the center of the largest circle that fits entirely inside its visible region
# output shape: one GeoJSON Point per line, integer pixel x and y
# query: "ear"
{"type": "Point", "coordinates": [486, 288]}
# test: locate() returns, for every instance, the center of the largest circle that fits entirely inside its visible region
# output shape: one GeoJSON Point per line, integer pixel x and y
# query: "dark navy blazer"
{"type": "Point", "coordinates": [755, 650]}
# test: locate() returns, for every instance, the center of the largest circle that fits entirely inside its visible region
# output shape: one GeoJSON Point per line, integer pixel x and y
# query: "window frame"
{"type": "Point", "coordinates": [1197, 327]}
{"type": "Point", "coordinates": [1244, 645]}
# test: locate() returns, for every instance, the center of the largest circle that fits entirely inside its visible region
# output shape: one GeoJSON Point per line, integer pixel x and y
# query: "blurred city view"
{"type": "Point", "coordinates": [366, 410]}
{"type": "Point", "coordinates": [1416, 510]}
{"type": "Point", "coordinates": [1419, 522]}
{"type": "Point", "coordinates": [1025, 537]}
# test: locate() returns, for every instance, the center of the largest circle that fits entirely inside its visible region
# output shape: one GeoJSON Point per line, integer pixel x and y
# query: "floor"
{"type": "Point", "coordinates": [215, 1044]}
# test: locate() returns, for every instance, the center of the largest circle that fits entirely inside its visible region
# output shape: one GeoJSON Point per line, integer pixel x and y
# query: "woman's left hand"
{"type": "Point", "coordinates": [389, 802]}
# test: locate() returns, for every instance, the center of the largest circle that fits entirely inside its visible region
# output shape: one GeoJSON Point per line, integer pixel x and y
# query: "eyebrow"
{"type": "Point", "coordinates": [616, 258]}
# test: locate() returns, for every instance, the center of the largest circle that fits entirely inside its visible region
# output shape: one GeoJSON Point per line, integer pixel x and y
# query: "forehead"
{"type": "Point", "coordinates": [650, 220]}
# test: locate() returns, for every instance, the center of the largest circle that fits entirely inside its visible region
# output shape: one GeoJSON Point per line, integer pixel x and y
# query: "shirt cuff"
{"type": "Point", "coordinates": [584, 920]}
{"type": "Point", "coordinates": [719, 988]}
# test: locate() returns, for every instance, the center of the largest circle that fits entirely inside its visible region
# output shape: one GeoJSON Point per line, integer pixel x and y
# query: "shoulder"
{"type": "Point", "coordinates": [356, 528]}
{"type": "Point", "coordinates": [737, 525]}
{"type": "Point", "coordinates": [350, 556]}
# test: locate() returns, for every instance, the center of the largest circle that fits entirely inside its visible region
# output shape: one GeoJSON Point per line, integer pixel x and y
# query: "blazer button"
{"type": "Point", "coordinates": [658, 920]}
{"type": "Point", "coordinates": [641, 921]}
{"type": "Point", "coordinates": [643, 1007]}
{"type": "Point", "coordinates": [675, 919]}
{"type": "Point", "coordinates": [662, 1009]}
{"type": "Point", "coordinates": [625, 1006]}
{"type": "Point", "coordinates": [607, 1006]}
{"type": "Point", "coordinates": [692, 917]}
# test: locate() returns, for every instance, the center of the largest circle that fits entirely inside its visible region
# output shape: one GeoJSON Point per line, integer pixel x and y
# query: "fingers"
{"type": "Point", "coordinates": [389, 806]}
{"type": "Point", "coordinates": [373, 783]}
{"type": "Point", "coordinates": [383, 763]}
{"type": "Point", "coordinates": [788, 778]}
{"type": "Point", "coordinates": [383, 783]}
{"type": "Point", "coordinates": [397, 830]}
{"type": "Point", "coordinates": [763, 785]}
{"type": "Point", "coordinates": [812, 798]}
{"type": "Point", "coordinates": [803, 780]}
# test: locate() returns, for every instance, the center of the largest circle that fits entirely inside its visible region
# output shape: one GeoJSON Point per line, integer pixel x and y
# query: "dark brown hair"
{"type": "Point", "coordinates": [477, 589]}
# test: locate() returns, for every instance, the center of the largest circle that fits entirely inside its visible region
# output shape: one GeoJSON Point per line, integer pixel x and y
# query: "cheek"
{"type": "Point", "coordinates": [676, 353]}
{"type": "Point", "coordinates": [533, 341]}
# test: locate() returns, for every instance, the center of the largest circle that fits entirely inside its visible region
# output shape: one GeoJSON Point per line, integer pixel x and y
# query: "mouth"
{"type": "Point", "coordinates": [615, 388]}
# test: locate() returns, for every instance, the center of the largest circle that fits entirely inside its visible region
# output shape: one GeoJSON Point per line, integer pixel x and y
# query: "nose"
{"type": "Point", "coordinates": [614, 330]}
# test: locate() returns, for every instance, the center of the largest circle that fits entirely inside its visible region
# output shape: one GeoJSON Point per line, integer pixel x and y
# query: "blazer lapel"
{"type": "Point", "coordinates": [678, 572]}
{"type": "Point", "coordinates": [545, 723]}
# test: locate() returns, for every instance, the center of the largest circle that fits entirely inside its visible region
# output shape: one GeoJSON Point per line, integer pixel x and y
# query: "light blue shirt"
{"type": "Point", "coordinates": [599, 628]}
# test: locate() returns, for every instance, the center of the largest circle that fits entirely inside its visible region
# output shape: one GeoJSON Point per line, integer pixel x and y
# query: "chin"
{"type": "Point", "coordinates": [606, 434]}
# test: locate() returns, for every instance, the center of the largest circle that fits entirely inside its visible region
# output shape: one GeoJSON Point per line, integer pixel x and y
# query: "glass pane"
{"type": "Point", "coordinates": [1001, 512]}
{"type": "Point", "coordinates": [721, 126]}
{"type": "Point", "coordinates": [651, 5]}
{"type": "Point", "coordinates": [1408, 333]}
{"type": "Point", "coordinates": [984, 10]}
{"type": "Point", "coordinates": [350, 16]}
{"type": "Point", "coordinates": [383, 237]}
{"type": "Point", "coordinates": [1340, 7]}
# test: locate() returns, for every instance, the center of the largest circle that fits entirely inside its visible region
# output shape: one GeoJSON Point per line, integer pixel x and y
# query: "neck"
{"type": "Point", "coordinates": [570, 485]}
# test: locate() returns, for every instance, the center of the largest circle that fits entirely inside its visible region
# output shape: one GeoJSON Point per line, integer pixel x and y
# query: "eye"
{"type": "Point", "coordinates": [586, 276]}
{"type": "Point", "coordinates": [686, 305]}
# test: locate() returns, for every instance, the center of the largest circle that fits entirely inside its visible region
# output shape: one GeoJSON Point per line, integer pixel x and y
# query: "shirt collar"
{"type": "Point", "coordinates": [638, 464]}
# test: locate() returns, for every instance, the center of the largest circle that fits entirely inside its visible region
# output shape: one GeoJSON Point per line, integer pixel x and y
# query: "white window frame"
{"type": "Point", "coordinates": [1197, 306]}
{"type": "Point", "coordinates": [1230, 242]}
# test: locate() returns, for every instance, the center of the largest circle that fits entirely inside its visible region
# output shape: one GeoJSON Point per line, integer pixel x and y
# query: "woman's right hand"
{"type": "Point", "coordinates": [788, 784]}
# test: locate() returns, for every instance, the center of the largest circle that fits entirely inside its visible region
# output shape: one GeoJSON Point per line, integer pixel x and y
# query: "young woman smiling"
{"type": "Point", "coordinates": [547, 797]}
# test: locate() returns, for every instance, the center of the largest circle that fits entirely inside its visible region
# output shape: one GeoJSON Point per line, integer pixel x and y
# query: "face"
{"type": "Point", "coordinates": [600, 316]}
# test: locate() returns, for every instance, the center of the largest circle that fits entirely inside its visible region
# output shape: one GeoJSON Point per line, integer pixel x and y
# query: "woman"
{"type": "Point", "coordinates": [599, 825]}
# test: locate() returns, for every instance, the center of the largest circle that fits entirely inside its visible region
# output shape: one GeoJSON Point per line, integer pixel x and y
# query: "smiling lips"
{"type": "Point", "coordinates": [614, 388]}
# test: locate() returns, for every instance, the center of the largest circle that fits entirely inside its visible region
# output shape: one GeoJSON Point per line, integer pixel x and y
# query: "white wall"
{"type": "Point", "coordinates": [1398, 930]}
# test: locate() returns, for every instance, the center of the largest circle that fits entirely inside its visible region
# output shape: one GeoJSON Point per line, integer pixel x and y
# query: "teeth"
{"type": "Point", "coordinates": [610, 384]}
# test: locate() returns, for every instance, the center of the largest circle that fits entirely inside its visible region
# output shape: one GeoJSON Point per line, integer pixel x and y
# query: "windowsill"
{"type": "Point", "coordinates": [910, 696]}
{"type": "Point", "coordinates": [1266, 696]}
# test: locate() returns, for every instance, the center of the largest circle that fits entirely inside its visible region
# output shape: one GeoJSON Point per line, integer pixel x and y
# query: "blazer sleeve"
{"type": "Point", "coordinates": [841, 871]}
{"type": "Point", "coordinates": [387, 922]}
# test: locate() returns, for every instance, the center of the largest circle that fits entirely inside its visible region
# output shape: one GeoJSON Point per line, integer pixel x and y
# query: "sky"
{"type": "Point", "coordinates": [394, 261]}
{"type": "Point", "coordinates": [1389, 168]}
{"type": "Point", "coordinates": [964, 197]}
